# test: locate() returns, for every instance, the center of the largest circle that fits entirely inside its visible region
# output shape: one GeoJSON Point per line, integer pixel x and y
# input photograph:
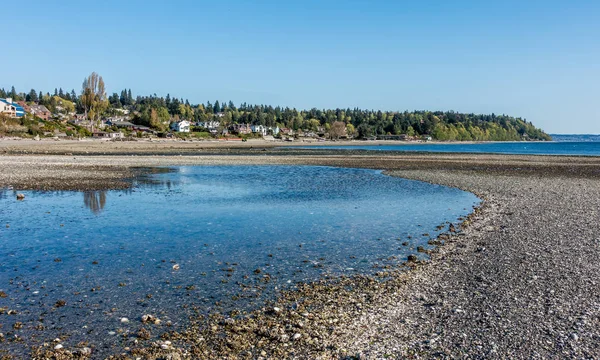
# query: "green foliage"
{"type": "Point", "coordinates": [157, 112]}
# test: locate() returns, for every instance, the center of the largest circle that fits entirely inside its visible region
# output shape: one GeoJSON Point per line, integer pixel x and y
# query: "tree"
{"type": "Point", "coordinates": [93, 96]}
{"type": "Point", "coordinates": [337, 129]}
{"type": "Point", "coordinates": [32, 96]}
{"type": "Point", "coordinates": [61, 93]}
{"type": "Point", "coordinates": [13, 93]}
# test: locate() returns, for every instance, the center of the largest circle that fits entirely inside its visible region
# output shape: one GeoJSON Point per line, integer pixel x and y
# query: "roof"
{"type": "Point", "coordinates": [39, 108]}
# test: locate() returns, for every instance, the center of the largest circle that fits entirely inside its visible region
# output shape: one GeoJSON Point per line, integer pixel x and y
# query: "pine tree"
{"type": "Point", "coordinates": [61, 93]}
{"type": "Point", "coordinates": [40, 96]}
{"type": "Point", "coordinates": [32, 96]}
{"type": "Point", "coordinates": [13, 92]}
{"type": "Point", "coordinates": [55, 92]}
{"type": "Point", "coordinates": [73, 95]}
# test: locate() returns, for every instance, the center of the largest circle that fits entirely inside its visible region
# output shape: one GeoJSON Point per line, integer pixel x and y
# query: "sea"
{"type": "Point", "coordinates": [200, 239]}
{"type": "Point", "coordinates": [573, 145]}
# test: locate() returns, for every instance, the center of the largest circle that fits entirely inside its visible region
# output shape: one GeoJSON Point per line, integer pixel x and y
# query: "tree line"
{"type": "Point", "coordinates": [158, 111]}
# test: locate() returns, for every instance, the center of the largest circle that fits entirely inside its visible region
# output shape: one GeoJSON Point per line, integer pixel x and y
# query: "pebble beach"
{"type": "Point", "coordinates": [520, 280]}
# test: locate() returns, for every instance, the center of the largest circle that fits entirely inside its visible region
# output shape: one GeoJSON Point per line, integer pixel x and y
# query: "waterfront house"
{"type": "Point", "coordinates": [40, 111]}
{"type": "Point", "coordinates": [241, 128]}
{"type": "Point", "coordinates": [287, 131]}
{"type": "Point", "coordinates": [181, 126]}
{"type": "Point", "coordinates": [273, 130]}
{"type": "Point", "coordinates": [107, 135]}
{"type": "Point", "coordinates": [259, 129]}
{"type": "Point", "coordinates": [7, 106]}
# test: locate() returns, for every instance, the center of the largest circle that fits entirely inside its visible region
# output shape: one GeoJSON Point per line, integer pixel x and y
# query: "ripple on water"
{"type": "Point", "coordinates": [203, 238]}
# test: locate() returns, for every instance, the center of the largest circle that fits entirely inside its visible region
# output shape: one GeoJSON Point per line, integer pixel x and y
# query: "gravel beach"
{"type": "Point", "coordinates": [520, 280]}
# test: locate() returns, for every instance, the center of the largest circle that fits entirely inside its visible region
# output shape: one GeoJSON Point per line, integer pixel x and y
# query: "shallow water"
{"type": "Point", "coordinates": [575, 148]}
{"type": "Point", "coordinates": [111, 254]}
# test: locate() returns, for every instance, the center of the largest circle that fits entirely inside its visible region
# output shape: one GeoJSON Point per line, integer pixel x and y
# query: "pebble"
{"type": "Point", "coordinates": [124, 320]}
{"type": "Point", "coordinates": [58, 347]}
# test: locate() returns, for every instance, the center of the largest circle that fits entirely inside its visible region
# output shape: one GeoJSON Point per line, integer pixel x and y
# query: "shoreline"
{"type": "Point", "coordinates": [410, 313]}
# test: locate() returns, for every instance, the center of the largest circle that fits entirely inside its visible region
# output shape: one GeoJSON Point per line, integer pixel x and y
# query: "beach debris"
{"type": "Point", "coordinates": [146, 319]}
{"type": "Point", "coordinates": [20, 196]}
{"type": "Point", "coordinates": [143, 334]}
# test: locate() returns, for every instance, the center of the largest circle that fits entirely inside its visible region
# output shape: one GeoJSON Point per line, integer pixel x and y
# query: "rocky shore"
{"type": "Point", "coordinates": [519, 281]}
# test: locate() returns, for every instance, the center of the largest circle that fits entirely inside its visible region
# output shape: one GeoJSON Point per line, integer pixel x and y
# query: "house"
{"type": "Point", "coordinates": [7, 106]}
{"type": "Point", "coordinates": [210, 125]}
{"type": "Point", "coordinates": [40, 111]}
{"type": "Point", "coordinates": [286, 131]}
{"type": "Point", "coordinates": [181, 126]}
{"type": "Point", "coordinates": [273, 130]}
{"type": "Point", "coordinates": [8, 109]}
{"type": "Point", "coordinates": [241, 128]}
{"type": "Point", "coordinates": [107, 135]}
{"type": "Point", "coordinates": [259, 129]}
{"type": "Point", "coordinates": [120, 124]}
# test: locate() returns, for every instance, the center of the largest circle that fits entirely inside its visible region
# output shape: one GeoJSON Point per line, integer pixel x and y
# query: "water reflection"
{"type": "Point", "coordinates": [95, 200]}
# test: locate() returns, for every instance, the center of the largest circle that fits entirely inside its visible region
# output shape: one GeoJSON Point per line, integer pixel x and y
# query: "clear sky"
{"type": "Point", "coordinates": [536, 59]}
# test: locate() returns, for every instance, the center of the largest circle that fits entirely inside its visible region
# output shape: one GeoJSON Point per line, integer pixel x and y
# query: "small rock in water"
{"type": "Point", "coordinates": [412, 258]}
{"type": "Point", "coordinates": [20, 196]}
{"type": "Point", "coordinates": [176, 267]}
{"type": "Point", "coordinates": [124, 320]}
{"type": "Point", "coordinates": [58, 347]}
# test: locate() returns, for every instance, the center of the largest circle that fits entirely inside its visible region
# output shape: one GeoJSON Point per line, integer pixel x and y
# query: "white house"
{"type": "Point", "coordinates": [273, 130]}
{"type": "Point", "coordinates": [181, 126]}
{"type": "Point", "coordinates": [259, 129]}
{"type": "Point", "coordinates": [210, 125]}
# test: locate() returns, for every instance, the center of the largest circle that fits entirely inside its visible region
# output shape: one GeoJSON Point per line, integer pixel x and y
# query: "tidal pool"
{"type": "Point", "coordinates": [237, 235]}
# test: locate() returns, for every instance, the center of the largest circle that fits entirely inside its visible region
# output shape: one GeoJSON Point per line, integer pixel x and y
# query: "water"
{"type": "Point", "coordinates": [589, 146]}
{"type": "Point", "coordinates": [110, 254]}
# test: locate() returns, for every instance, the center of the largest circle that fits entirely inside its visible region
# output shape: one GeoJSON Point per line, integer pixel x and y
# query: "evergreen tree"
{"type": "Point", "coordinates": [32, 96]}
{"type": "Point", "coordinates": [217, 107]}
{"type": "Point", "coordinates": [13, 92]}
{"type": "Point", "coordinates": [55, 92]}
{"type": "Point", "coordinates": [61, 93]}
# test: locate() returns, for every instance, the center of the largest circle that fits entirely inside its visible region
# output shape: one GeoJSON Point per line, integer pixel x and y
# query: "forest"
{"type": "Point", "coordinates": [158, 112]}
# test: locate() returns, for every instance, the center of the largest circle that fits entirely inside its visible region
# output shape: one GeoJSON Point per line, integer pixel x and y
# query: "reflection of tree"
{"type": "Point", "coordinates": [94, 200]}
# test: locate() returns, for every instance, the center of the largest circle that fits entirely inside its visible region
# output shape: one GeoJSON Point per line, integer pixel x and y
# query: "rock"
{"type": "Point", "coordinates": [150, 319]}
{"type": "Point", "coordinates": [176, 267]}
{"type": "Point", "coordinates": [124, 320]}
{"type": "Point", "coordinates": [20, 196]}
{"type": "Point", "coordinates": [58, 347]}
{"type": "Point", "coordinates": [297, 336]}
{"type": "Point", "coordinates": [412, 258]}
{"type": "Point", "coordinates": [575, 337]}
{"type": "Point", "coordinates": [276, 310]}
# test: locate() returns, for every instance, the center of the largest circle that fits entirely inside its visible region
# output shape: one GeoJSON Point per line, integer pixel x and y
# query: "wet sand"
{"type": "Point", "coordinates": [520, 281]}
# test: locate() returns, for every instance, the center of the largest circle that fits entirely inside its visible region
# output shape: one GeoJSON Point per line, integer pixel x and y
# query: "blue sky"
{"type": "Point", "coordinates": [534, 59]}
